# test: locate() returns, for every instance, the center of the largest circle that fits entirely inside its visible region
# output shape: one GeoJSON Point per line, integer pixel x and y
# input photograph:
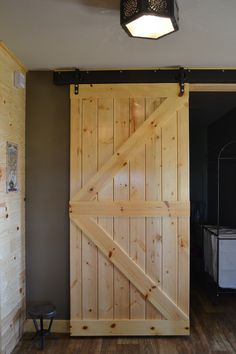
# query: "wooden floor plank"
{"type": "Point", "coordinates": [213, 331]}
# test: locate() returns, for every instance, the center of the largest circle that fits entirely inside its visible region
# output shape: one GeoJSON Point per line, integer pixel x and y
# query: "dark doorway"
{"type": "Point", "coordinates": [212, 124]}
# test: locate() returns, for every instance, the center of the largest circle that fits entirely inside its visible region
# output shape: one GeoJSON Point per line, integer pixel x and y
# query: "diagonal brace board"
{"type": "Point", "coordinates": [129, 268]}
{"type": "Point", "coordinates": [131, 208]}
{"type": "Point", "coordinates": [130, 148]}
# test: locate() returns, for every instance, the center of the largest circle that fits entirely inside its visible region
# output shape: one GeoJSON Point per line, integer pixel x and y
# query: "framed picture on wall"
{"type": "Point", "coordinates": [11, 168]}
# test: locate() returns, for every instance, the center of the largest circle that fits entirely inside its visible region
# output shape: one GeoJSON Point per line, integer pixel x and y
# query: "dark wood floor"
{"type": "Point", "coordinates": [213, 330]}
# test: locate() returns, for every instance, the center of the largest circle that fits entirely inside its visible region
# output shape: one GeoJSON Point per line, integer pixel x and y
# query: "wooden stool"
{"type": "Point", "coordinates": [43, 311]}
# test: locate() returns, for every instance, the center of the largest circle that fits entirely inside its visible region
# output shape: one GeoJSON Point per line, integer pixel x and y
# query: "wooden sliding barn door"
{"type": "Point", "coordinates": [129, 210]}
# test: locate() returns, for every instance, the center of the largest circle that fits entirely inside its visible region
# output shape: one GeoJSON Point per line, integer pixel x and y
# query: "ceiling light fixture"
{"type": "Point", "coordinates": [149, 18]}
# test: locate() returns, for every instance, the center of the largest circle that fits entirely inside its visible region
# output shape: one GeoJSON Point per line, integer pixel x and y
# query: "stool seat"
{"type": "Point", "coordinates": [42, 311]}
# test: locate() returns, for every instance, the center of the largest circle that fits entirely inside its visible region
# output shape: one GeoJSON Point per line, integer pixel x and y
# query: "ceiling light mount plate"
{"type": "Point", "coordinates": [150, 19]}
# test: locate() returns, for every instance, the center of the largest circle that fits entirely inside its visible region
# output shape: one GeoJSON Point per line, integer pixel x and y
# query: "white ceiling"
{"type": "Point", "coordinates": [49, 34]}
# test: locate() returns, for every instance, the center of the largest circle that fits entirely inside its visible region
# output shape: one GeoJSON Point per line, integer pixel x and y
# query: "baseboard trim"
{"type": "Point", "coordinates": [58, 326]}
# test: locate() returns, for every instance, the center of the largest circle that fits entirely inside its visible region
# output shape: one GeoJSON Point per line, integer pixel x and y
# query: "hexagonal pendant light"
{"type": "Point", "coordinates": [149, 18]}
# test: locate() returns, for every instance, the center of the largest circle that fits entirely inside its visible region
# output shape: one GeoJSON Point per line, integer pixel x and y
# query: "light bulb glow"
{"type": "Point", "coordinates": [149, 26]}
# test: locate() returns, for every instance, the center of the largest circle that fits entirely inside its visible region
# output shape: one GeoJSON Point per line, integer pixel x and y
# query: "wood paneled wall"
{"type": "Point", "coordinates": [12, 218]}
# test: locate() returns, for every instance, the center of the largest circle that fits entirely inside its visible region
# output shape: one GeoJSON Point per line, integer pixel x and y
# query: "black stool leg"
{"type": "Point", "coordinates": [50, 325]}
{"type": "Point", "coordinates": [41, 333]}
{"type": "Point", "coordinates": [36, 327]}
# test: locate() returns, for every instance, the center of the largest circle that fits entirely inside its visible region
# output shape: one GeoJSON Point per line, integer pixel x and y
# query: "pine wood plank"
{"type": "Point", "coordinates": [89, 250]}
{"type": "Point", "coordinates": [105, 151]}
{"type": "Point", "coordinates": [121, 192]}
{"type": "Point", "coordinates": [131, 208]}
{"type": "Point", "coordinates": [137, 192]}
{"type": "Point", "coordinates": [183, 265]}
{"type": "Point", "coordinates": [126, 90]}
{"type": "Point", "coordinates": [75, 232]}
{"type": "Point", "coordinates": [75, 272]}
{"type": "Point", "coordinates": [169, 192]}
{"type": "Point", "coordinates": [131, 270]}
{"type": "Point", "coordinates": [153, 195]}
{"type": "Point", "coordinates": [76, 148]}
{"type": "Point", "coordinates": [129, 328]}
{"type": "Point", "coordinates": [170, 256]}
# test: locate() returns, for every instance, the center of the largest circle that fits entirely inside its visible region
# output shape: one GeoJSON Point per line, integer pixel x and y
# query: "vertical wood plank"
{"type": "Point", "coordinates": [170, 265]}
{"type": "Point", "coordinates": [75, 233]}
{"type": "Point", "coordinates": [75, 146]}
{"type": "Point", "coordinates": [153, 192]}
{"type": "Point", "coordinates": [183, 194]}
{"type": "Point", "coordinates": [169, 192]}
{"type": "Point", "coordinates": [121, 192]}
{"type": "Point", "coordinates": [89, 251]}
{"type": "Point", "coordinates": [169, 160]}
{"type": "Point", "coordinates": [183, 264]}
{"type": "Point", "coordinates": [105, 150]}
{"type": "Point", "coordinates": [137, 192]}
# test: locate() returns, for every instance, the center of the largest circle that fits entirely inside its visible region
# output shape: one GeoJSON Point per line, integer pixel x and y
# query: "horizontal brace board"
{"type": "Point", "coordinates": [129, 268]}
{"type": "Point", "coordinates": [126, 90]}
{"type": "Point", "coordinates": [129, 328]}
{"type": "Point", "coordinates": [131, 208]}
{"type": "Point", "coordinates": [227, 76]}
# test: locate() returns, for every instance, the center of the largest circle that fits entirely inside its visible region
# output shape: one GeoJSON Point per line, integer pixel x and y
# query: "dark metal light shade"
{"type": "Point", "coordinates": [149, 18]}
